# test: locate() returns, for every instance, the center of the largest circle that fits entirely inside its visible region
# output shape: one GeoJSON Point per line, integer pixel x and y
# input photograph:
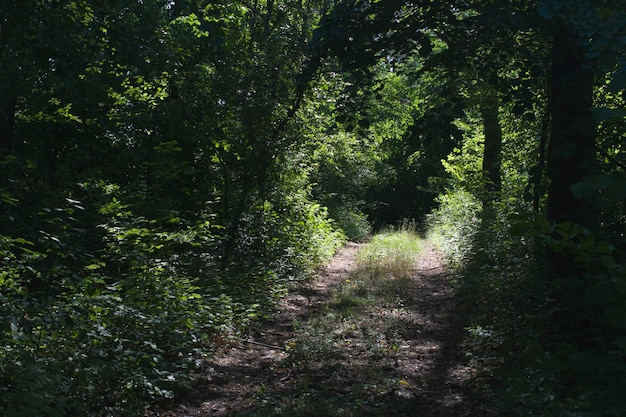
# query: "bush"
{"type": "Point", "coordinates": [453, 226]}
{"type": "Point", "coordinates": [93, 343]}
{"type": "Point", "coordinates": [352, 222]}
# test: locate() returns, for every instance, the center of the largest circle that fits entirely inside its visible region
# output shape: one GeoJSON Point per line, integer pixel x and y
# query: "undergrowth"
{"type": "Point", "coordinates": [108, 320]}
{"type": "Point", "coordinates": [540, 353]}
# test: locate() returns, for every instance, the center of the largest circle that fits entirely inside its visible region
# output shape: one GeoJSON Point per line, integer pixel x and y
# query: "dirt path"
{"type": "Point", "coordinates": [324, 355]}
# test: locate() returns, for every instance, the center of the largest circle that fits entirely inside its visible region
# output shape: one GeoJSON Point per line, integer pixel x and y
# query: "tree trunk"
{"type": "Point", "coordinates": [7, 121]}
{"type": "Point", "coordinates": [571, 151]}
{"type": "Point", "coordinates": [492, 157]}
{"type": "Point", "coordinates": [489, 107]}
{"type": "Point", "coordinates": [8, 97]}
{"type": "Point", "coordinates": [537, 177]}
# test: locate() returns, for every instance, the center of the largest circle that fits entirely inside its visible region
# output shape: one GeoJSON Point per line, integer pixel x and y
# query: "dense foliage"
{"type": "Point", "coordinates": [155, 192]}
{"type": "Point", "coordinates": [169, 168]}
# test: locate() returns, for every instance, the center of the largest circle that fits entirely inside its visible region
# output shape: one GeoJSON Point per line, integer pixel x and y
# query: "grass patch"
{"type": "Point", "coordinates": [391, 254]}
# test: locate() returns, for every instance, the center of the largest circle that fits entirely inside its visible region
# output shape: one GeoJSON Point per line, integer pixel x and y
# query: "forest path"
{"type": "Point", "coordinates": [338, 348]}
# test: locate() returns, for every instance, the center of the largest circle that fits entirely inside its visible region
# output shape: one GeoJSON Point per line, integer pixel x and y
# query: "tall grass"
{"type": "Point", "coordinates": [393, 252]}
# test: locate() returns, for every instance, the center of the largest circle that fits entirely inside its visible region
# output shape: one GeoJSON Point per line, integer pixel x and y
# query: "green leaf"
{"type": "Point", "coordinates": [94, 266]}
{"type": "Point", "coordinates": [23, 241]}
{"type": "Point", "coordinates": [585, 187]}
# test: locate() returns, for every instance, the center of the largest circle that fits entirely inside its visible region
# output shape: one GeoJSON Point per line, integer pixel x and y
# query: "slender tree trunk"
{"type": "Point", "coordinates": [235, 218]}
{"type": "Point", "coordinates": [489, 107]}
{"type": "Point", "coordinates": [8, 95]}
{"type": "Point", "coordinates": [537, 177]}
{"type": "Point", "coordinates": [7, 120]}
{"type": "Point", "coordinates": [571, 151]}
{"type": "Point", "coordinates": [252, 182]}
{"type": "Point", "coordinates": [492, 157]}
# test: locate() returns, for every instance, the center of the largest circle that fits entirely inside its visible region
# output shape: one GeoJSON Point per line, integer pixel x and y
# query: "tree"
{"type": "Point", "coordinates": [458, 40]}
{"type": "Point", "coordinates": [571, 151]}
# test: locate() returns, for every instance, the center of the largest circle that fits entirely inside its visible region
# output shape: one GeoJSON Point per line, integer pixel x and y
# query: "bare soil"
{"type": "Point", "coordinates": [419, 370]}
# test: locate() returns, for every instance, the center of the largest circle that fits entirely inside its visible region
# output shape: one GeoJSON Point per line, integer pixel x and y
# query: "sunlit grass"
{"type": "Point", "coordinates": [392, 253]}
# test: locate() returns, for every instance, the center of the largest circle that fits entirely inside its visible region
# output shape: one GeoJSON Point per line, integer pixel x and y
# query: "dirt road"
{"type": "Point", "coordinates": [393, 349]}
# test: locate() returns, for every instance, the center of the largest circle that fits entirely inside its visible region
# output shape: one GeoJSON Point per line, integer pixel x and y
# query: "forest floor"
{"type": "Point", "coordinates": [343, 345]}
